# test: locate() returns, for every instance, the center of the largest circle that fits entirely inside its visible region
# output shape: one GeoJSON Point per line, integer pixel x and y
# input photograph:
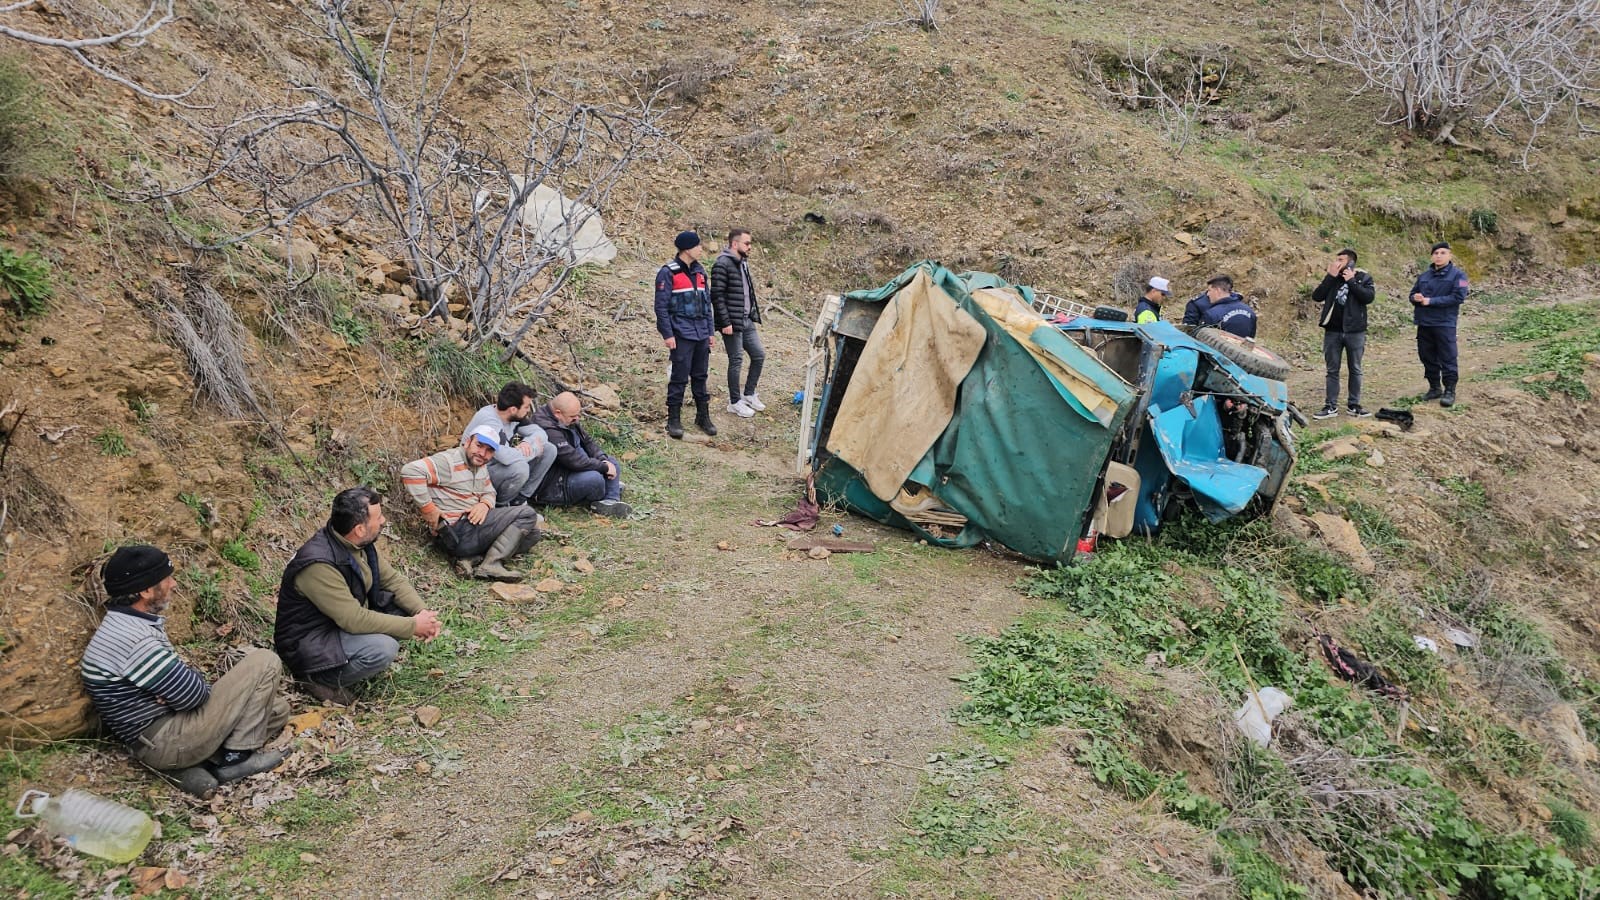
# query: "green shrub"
{"type": "Point", "coordinates": [25, 282]}
{"type": "Point", "coordinates": [240, 555]}
{"type": "Point", "coordinates": [1028, 678]}
{"type": "Point", "coordinates": [111, 443]}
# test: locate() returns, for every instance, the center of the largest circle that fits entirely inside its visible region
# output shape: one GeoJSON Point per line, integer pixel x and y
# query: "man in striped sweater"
{"type": "Point", "coordinates": [197, 735]}
{"type": "Point", "coordinates": [453, 490]}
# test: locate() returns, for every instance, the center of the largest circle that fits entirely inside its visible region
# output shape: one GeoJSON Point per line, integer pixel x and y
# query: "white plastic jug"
{"type": "Point", "coordinates": [91, 824]}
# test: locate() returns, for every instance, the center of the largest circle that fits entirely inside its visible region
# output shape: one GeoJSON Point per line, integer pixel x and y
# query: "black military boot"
{"type": "Point", "coordinates": [1448, 398]}
{"type": "Point", "coordinates": [702, 417]}
{"type": "Point", "coordinates": [675, 422]}
{"type": "Point", "coordinates": [1433, 393]}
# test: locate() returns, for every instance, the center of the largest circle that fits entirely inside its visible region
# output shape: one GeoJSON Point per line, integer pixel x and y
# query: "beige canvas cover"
{"type": "Point", "coordinates": [903, 392]}
{"type": "Point", "coordinates": [1019, 320]}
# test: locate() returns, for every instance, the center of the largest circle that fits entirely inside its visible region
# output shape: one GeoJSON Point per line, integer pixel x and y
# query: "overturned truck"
{"type": "Point", "coordinates": [952, 406]}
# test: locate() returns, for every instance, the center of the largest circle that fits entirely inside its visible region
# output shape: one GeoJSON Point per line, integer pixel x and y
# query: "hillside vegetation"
{"type": "Point", "coordinates": [699, 711]}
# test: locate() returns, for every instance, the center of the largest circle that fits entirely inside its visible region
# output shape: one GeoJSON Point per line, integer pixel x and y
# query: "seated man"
{"type": "Point", "coordinates": [453, 490]}
{"type": "Point", "coordinates": [342, 609]}
{"type": "Point", "coordinates": [198, 735]}
{"type": "Point", "coordinates": [581, 474]}
{"type": "Point", "coordinates": [516, 468]}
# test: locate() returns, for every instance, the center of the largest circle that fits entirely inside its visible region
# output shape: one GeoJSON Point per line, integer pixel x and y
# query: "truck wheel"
{"type": "Point", "coordinates": [1245, 353]}
{"type": "Point", "coordinates": [1110, 314]}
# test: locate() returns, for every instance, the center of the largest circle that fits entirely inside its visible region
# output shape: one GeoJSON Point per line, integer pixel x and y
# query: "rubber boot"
{"type": "Point", "coordinates": [675, 422]}
{"type": "Point", "coordinates": [254, 764]}
{"type": "Point", "coordinates": [196, 780]}
{"type": "Point", "coordinates": [503, 546]}
{"type": "Point", "coordinates": [702, 417]}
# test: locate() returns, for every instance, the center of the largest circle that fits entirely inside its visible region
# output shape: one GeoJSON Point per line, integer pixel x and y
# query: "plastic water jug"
{"type": "Point", "coordinates": [90, 824]}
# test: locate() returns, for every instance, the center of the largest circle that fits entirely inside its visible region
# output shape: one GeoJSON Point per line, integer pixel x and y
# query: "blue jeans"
{"type": "Point", "coordinates": [368, 654]}
{"type": "Point", "coordinates": [577, 488]}
{"type": "Point", "coordinates": [522, 477]}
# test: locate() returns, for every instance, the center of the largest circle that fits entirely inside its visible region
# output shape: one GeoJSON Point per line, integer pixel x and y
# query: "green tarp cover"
{"type": "Point", "coordinates": [1020, 458]}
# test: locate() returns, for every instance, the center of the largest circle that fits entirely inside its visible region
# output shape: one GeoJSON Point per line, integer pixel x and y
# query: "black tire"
{"type": "Point", "coordinates": [1245, 353]}
{"type": "Point", "coordinates": [1110, 314]}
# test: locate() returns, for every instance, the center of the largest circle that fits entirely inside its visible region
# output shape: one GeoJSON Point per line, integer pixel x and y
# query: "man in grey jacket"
{"type": "Point", "coordinates": [733, 304]}
{"type": "Point", "coordinates": [525, 454]}
{"type": "Point", "coordinates": [1344, 293]}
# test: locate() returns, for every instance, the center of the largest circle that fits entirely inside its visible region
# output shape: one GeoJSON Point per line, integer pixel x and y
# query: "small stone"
{"type": "Point", "coordinates": [558, 860]}
{"type": "Point", "coordinates": [1541, 378]}
{"type": "Point", "coordinates": [584, 566]}
{"type": "Point", "coordinates": [616, 601]}
{"type": "Point", "coordinates": [428, 716]}
{"type": "Point", "coordinates": [1375, 459]}
{"type": "Point", "coordinates": [582, 815]}
{"type": "Point", "coordinates": [310, 859]}
{"type": "Point", "coordinates": [1554, 440]}
{"type": "Point", "coordinates": [422, 767]}
{"type": "Point", "coordinates": [512, 593]}
{"type": "Point", "coordinates": [548, 586]}
{"type": "Point", "coordinates": [701, 725]}
{"type": "Point", "coordinates": [819, 553]}
{"type": "Point", "coordinates": [724, 545]}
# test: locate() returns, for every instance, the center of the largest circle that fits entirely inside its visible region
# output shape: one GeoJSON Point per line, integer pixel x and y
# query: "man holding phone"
{"type": "Point", "coordinates": [1344, 293]}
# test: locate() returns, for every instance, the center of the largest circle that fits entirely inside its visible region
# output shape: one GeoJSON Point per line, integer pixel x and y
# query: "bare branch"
{"type": "Point", "coordinates": [134, 34]}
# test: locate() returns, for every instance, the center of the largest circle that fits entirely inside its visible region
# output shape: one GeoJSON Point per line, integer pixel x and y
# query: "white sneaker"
{"type": "Point", "coordinates": [741, 409]}
{"type": "Point", "coordinates": [754, 402]}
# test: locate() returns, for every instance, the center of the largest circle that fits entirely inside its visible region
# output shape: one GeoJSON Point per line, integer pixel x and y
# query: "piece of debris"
{"type": "Point", "coordinates": [1402, 417]}
{"type": "Point", "coordinates": [1356, 670]}
{"type": "Point", "coordinates": [1256, 715]}
{"type": "Point", "coordinates": [805, 514]}
{"type": "Point", "coordinates": [1460, 637]}
{"type": "Point", "coordinates": [1424, 643]}
{"type": "Point", "coordinates": [832, 545]}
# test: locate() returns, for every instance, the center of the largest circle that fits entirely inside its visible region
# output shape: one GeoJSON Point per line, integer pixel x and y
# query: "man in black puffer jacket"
{"type": "Point", "coordinates": [733, 301]}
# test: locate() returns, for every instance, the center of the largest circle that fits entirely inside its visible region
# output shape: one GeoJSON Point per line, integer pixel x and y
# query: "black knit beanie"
{"type": "Point", "coordinates": [132, 569]}
{"type": "Point", "coordinates": [686, 240]}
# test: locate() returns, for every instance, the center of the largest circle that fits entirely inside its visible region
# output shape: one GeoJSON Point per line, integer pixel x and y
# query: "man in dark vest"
{"type": "Point", "coordinates": [342, 608]}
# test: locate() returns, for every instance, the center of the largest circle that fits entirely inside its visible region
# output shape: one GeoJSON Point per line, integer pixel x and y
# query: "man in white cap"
{"type": "Point", "coordinates": [1149, 307]}
{"type": "Point", "coordinates": [453, 490]}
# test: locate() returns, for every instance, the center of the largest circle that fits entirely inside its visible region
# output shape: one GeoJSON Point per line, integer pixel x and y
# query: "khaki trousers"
{"type": "Point", "coordinates": [244, 711]}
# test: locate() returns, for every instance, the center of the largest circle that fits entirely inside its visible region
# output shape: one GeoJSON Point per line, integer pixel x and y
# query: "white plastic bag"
{"type": "Point", "coordinates": [1255, 717]}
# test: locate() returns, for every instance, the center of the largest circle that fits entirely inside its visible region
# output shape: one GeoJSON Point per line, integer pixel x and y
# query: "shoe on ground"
{"type": "Point", "coordinates": [1327, 412]}
{"type": "Point", "coordinates": [255, 763]}
{"type": "Point", "coordinates": [328, 693]}
{"type": "Point", "coordinates": [1433, 394]}
{"type": "Point", "coordinates": [741, 409]}
{"type": "Point", "coordinates": [611, 509]}
{"type": "Point", "coordinates": [754, 402]}
{"type": "Point", "coordinates": [495, 572]}
{"type": "Point", "coordinates": [196, 780]}
{"type": "Point", "coordinates": [1360, 412]}
{"type": "Point", "coordinates": [1448, 399]}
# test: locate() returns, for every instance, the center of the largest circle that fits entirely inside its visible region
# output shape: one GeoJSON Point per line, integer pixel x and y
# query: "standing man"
{"type": "Point", "coordinates": [342, 608]}
{"type": "Point", "coordinates": [1148, 309]}
{"type": "Point", "coordinates": [1344, 293]}
{"type": "Point", "coordinates": [517, 467]}
{"type": "Point", "coordinates": [582, 473]}
{"type": "Point", "coordinates": [684, 320]}
{"type": "Point", "coordinates": [733, 301]}
{"type": "Point", "coordinates": [456, 498]}
{"type": "Point", "coordinates": [1436, 301]}
{"type": "Point", "coordinates": [199, 734]}
{"type": "Point", "coordinates": [1219, 307]}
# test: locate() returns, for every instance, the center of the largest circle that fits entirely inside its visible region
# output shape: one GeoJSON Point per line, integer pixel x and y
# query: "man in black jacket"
{"type": "Point", "coordinates": [1344, 293]}
{"type": "Point", "coordinates": [582, 473]}
{"type": "Point", "coordinates": [342, 608]}
{"type": "Point", "coordinates": [733, 301]}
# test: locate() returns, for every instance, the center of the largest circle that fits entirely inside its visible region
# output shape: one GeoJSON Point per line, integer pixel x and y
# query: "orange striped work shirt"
{"type": "Point", "coordinates": [446, 481]}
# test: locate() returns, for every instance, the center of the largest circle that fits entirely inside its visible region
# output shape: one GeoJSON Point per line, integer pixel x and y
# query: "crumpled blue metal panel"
{"type": "Point", "coordinates": [1191, 444]}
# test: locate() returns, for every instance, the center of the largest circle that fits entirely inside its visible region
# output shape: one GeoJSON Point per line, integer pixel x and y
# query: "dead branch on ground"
{"type": "Point", "coordinates": [123, 34]}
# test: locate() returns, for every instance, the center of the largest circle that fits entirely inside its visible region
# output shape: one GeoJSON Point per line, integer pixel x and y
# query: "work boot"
{"type": "Point", "coordinates": [1448, 398]}
{"type": "Point", "coordinates": [1433, 393]}
{"type": "Point", "coordinates": [503, 546]}
{"type": "Point", "coordinates": [196, 780]}
{"type": "Point", "coordinates": [675, 422]}
{"type": "Point", "coordinates": [702, 417]}
{"type": "Point", "coordinates": [328, 693]}
{"type": "Point", "coordinates": [231, 767]}
{"type": "Point", "coordinates": [612, 509]}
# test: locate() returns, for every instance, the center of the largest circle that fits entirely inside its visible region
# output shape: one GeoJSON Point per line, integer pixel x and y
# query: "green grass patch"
{"type": "Point", "coordinates": [111, 443]}
{"type": "Point", "coordinates": [25, 286]}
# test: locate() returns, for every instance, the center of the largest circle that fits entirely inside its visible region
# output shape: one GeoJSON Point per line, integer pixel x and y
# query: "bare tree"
{"type": "Point", "coordinates": [112, 31]}
{"type": "Point", "coordinates": [456, 200]}
{"type": "Point", "coordinates": [1177, 92]}
{"type": "Point", "coordinates": [924, 13]}
{"type": "Point", "coordinates": [1445, 62]}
